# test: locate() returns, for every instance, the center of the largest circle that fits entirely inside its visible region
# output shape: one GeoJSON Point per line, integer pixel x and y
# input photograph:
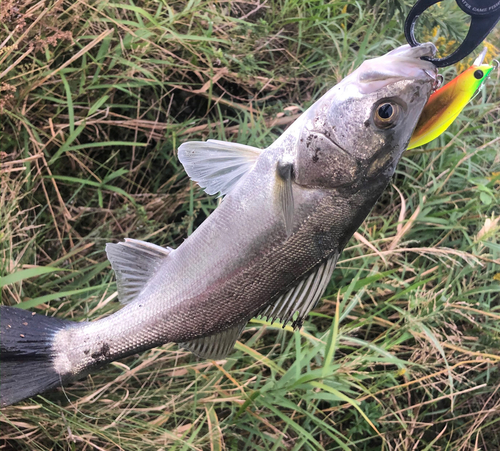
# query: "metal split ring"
{"type": "Point", "coordinates": [439, 81]}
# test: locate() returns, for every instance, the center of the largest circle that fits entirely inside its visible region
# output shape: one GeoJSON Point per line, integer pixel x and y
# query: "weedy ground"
{"type": "Point", "coordinates": [403, 351]}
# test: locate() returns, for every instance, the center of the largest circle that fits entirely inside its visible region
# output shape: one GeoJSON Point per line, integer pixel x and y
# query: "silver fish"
{"type": "Point", "coordinates": [269, 249]}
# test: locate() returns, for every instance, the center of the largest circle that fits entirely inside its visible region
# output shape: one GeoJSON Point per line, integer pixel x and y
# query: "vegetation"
{"type": "Point", "coordinates": [403, 352]}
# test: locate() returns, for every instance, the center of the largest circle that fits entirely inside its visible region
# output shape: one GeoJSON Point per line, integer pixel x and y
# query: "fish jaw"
{"type": "Point", "coordinates": [403, 63]}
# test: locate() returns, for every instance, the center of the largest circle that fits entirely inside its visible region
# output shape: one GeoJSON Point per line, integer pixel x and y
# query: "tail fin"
{"type": "Point", "coordinates": [26, 356]}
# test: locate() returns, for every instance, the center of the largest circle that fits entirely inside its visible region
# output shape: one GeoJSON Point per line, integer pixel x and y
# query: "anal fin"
{"type": "Point", "coordinates": [215, 346]}
{"type": "Point", "coordinates": [303, 297]}
{"type": "Point", "coordinates": [134, 263]}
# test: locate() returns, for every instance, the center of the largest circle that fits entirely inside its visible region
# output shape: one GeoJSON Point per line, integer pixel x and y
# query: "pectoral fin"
{"type": "Point", "coordinates": [284, 174]}
{"type": "Point", "coordinates": [303, 297]}
{"type": "Point", "coordinates": [134, 263]}
{"type": "Point", "coordinates": [215, 346]}
{"type": "Point", "coordinates": [217, 166]}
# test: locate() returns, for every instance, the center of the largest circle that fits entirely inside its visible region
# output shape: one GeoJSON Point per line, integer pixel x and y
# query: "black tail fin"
{"type": "Point", "coordinates": [26, 356]}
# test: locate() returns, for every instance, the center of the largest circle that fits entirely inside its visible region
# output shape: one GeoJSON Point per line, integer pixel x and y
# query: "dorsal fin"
{"type": "Point", "coordinates": [134, 263]}
{"type": "Point", "coordinates": [217, 166]}
{"type": "Point", "coordinates": [303, 296]}
{"type": "Point", "coordinates": [215, 346]}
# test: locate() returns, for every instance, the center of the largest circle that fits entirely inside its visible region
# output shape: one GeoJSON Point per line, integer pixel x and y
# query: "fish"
{"type": "Point", "coordinates": [269, 249]}
{"type": "Point", "coordinates": [447, 102]}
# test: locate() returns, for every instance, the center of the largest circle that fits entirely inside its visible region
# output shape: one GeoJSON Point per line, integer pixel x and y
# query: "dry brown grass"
{"type": "Point", "coordinates": [94, 100]}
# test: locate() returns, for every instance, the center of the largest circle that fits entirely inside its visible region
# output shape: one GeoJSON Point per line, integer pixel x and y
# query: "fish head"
{"type": "Point", "coordinates": [360, 128]}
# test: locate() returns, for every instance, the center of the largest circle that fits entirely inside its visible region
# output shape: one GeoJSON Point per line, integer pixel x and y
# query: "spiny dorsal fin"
{"type": "Point", "coordinates": [217, 166]}
{"type": "Point", "coordinates": [134, 263]}
{"type": "Point", "coordinates": [303, 297]}
{"type": "Point", "coordinates": [215, 346]}
{"type": "Point", "coordinates": [284, 173]}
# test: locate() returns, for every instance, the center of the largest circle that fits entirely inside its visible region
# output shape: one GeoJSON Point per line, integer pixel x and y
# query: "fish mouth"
{"type": "Point", "coordinates": [403, 63]}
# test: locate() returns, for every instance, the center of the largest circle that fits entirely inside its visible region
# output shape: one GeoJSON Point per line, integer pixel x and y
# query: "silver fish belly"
{"type": "Point", "coordinates": [271, 246]}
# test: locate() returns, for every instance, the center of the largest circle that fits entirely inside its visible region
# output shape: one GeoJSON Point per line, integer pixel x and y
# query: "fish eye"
{"type": "Point", "coordinates": [385, 111]}
{"type": "Point", "coordinates": [386, 114]}
{"type": "Point", "coordinates": [478, 74]}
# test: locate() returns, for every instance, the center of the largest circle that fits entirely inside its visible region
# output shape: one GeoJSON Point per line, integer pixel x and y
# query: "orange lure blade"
{"type": "Point", "coordinates": [445, 104]}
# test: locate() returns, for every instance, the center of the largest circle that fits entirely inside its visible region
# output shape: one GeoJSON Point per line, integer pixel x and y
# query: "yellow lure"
{"type": "Point", "coordinates": [445, 104]}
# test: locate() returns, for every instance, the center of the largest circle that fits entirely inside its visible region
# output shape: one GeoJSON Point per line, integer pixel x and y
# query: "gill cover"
{"type": "Point", "coordinates": [321, 162]}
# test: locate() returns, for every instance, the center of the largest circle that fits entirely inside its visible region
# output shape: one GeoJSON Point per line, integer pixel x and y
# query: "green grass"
{"type": "Point", "coordinates": [402, 354]}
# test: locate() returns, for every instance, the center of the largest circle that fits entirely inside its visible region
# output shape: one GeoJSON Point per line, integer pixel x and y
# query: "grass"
{"type": "Point", "coordinates": [402, 354]}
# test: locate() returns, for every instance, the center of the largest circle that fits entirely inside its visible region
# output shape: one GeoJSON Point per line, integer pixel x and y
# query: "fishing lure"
{"type": "Point", "coordinates": [445, 104]}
